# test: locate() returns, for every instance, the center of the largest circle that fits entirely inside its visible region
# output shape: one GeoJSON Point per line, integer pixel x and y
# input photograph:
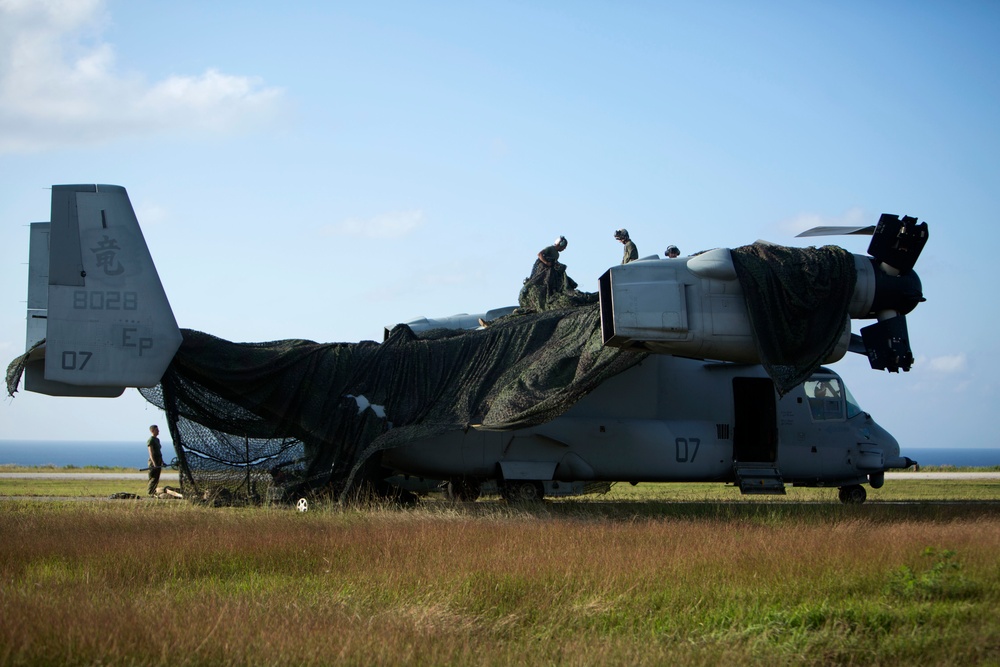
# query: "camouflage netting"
{"type": "Point", "coordinates": [15, 369]}
{"type": "Point", "coordinates": [283, 416]}
{"type": "Point", "coordinates": [551, 288]}
{"type": "Point", "coordinates": [798, 301]}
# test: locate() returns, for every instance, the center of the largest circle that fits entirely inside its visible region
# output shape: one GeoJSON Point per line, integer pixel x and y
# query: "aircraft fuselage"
{"type": "Point", "coordinates": [672, 419]}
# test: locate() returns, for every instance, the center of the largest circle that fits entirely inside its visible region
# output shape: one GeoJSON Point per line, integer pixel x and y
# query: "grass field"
{"type": "Point", "coordinates": [893, 491]}
{"type": "Point", "coordinates": [664, 574]}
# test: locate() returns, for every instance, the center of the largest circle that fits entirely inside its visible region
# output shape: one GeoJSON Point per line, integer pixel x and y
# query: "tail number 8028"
{"type": "Point", "coordinates": [105, 300]}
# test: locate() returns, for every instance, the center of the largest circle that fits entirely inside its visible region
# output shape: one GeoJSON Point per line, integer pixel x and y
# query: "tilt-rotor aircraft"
{"type": "Point", "coordinates": [707, 368]}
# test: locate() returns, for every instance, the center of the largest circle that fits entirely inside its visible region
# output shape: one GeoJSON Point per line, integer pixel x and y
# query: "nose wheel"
{"type": "Point", "coordinates": [854, 494]}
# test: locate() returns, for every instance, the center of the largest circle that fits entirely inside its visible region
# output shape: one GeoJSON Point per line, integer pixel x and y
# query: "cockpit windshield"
{"type": "Point", "coordinates": [853, 409]}
{"type": "Point", "coordinates": [829, 399]}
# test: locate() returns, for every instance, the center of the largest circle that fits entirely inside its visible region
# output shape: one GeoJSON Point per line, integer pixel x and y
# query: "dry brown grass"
{"type": "Point", "coordinates": [175, 584]}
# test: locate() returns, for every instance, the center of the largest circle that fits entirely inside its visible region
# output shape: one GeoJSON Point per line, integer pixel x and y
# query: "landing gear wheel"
{"type": "Point", "coordinates": [853, 495]}
{"type": "Point", "coordinates": [519, 491]}
{"type": "Point", "coordinates": [462, 490]}
{"type": "Point", "coordinates": [302, 505]}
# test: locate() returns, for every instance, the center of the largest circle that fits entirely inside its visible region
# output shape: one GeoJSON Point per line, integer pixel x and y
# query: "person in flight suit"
{"type": "Point", "coordinates": [155, 458]}
{"type": "Point", "coordinates": [631, 252]}
{"type": "Point", "coordinates": [548, 279]}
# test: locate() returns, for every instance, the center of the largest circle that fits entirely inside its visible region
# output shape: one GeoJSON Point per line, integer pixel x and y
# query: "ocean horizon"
{"type": "Point", "coordinates": [62, 453]}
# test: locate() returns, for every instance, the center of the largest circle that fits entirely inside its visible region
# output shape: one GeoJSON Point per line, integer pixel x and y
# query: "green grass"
{"type": "Point", "coordinates": [102, 486]}
{"type": "Point", "coordinates": [950, 468]}
{"type": "Point", "coordinates": [96, 488]}
{"type": "Point", "coordinates": [893, 491]}
{"type": "Point", "coordinates": [161, 583]}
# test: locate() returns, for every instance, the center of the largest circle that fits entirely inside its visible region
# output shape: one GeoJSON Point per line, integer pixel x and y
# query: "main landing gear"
{"type": "Point", "coordinates": [522, 491]}
{"type": "Point", "coordinates": [466, 490]}
{"type": "Point", "coordinates": [853, 494]}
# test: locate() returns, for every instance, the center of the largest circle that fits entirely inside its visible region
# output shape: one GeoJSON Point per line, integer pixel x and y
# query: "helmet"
{"type": "Point", "coordinates": [621, 235]}
{"type": "Point", "coordinates": [672, 249]}
{"type": "Point", "coordinates": [561, 241]}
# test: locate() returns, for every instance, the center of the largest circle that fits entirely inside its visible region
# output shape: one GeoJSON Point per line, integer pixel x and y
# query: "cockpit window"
{"type": "Point", "coordinates": [826, 398]}
{"type": "Point", "coordinates": [853, 409]}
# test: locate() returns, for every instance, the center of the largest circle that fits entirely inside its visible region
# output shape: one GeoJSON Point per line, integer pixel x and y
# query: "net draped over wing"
{"type": "Point", "coordinates": [292, 410]}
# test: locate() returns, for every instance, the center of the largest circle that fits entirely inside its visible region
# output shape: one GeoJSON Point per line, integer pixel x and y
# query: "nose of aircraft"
{"type": "Point", "coordinates": [883, 440]}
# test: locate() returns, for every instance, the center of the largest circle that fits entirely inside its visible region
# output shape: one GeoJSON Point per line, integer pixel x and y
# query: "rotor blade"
{"type": "Point", "coordinates": [839, 230]}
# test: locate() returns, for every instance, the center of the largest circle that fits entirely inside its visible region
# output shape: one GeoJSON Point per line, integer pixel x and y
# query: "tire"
{"type": "Point", "coordinates": [521, 491]}
{"type": "Point", "coordinates": [854, 494]}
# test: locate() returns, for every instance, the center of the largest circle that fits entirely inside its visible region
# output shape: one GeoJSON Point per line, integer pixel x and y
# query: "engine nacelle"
{"type": "Point", "coordinates": [695, 307]}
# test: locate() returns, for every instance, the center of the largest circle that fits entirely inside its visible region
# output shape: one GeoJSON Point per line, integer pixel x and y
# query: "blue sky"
{"type": "Point", "coordinates": [319, 170]}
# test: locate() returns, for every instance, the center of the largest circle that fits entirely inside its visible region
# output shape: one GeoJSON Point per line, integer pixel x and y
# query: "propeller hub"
{"type": "Point", "coordinates": [900, 293]}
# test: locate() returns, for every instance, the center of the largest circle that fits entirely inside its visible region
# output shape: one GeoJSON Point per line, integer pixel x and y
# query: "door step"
{"type": "Point", "coordinates": [759, 479]}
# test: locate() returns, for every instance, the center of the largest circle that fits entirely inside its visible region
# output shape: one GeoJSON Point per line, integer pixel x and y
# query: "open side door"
{"type": "Point", "coordinates": [755, 433]}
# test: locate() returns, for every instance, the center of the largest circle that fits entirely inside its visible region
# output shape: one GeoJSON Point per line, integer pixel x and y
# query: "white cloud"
{"type": "Point", "coordinates": [60, 85]}
{"type": "Point", "coordinates": [384, 227]}
{"type": "Point", "coordinates": [953, 363]}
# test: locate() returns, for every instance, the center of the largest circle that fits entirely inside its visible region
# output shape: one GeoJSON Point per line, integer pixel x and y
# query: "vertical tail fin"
{"type": "Point", "coordinates": [95, 299]}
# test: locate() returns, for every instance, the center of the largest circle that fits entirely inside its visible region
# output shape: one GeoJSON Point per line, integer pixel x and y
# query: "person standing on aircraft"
{"type": "Point", "coordinates": [548, 261]}
{"type": "Point", "coordinates": [548, 257]}
{"type": "Point", "coordinates": [672, 252]}
{"type": "Point", "coordinates": [548, 286]}
{"type": "Point", "coordinates": [155, 458]}
{"type": "Point", "coordinates": [631, 252]}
